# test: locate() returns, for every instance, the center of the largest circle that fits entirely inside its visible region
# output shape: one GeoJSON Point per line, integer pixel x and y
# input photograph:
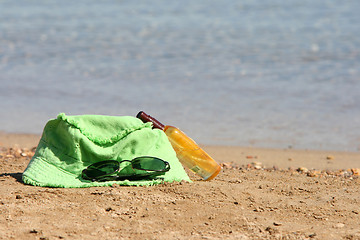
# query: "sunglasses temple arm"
{"type": "Point", "coordinates": [167, 168]}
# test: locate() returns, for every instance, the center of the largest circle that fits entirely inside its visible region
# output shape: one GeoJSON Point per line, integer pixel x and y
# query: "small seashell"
{"type": "Point", "coordinates": [226, 165]}
{"type": "Point", "coordinates": [302, 169]}
{"type": "Point", "coordinates": [257, 167]}
{"type": "Point", "coordinates": [312, 173]}
{"type": "Point", "coordinates": [355, 171]}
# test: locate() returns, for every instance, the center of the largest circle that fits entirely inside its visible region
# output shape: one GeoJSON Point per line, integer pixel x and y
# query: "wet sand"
{"type": "Point", "coordinates": [260, 194]}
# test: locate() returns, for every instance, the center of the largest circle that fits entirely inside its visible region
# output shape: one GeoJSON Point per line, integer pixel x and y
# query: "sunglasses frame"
{"type": "Point", "coordinates": [135, 176]}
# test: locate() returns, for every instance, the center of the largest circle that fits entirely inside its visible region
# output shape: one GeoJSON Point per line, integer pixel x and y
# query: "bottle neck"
{"type": "Point", "coordinates": [147, 118]}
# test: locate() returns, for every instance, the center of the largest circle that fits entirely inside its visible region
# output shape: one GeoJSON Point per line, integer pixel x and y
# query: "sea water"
{"type": "Point", "coordinates": [268, 73]}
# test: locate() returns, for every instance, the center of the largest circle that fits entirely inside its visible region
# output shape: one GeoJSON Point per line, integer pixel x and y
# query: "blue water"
{"type": "Point", "coordinates": [249, 73]}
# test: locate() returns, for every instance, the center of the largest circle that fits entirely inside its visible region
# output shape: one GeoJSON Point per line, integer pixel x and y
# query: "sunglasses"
{"type": "Point", "coordinates": [109, 170]}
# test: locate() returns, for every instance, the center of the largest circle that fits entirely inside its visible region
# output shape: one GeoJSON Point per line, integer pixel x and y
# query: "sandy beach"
{"type": "Point", "coordinates": [260, 194]}
{"type": "Point", "coordinates": [236, 76]}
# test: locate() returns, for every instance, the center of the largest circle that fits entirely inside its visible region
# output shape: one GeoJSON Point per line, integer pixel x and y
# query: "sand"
{"type": "Point", "coordinates": [260, 194]}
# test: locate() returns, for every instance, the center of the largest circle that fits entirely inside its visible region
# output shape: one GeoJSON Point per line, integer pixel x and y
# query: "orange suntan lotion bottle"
{"type": "Point", "coordinates": [187, 151]}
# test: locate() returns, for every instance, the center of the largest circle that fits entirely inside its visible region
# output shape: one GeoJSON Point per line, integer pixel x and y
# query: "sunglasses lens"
{"type": "Point", "coordinates": [101, 168]}
{"type": "Point", "coordinates": [149, 164]}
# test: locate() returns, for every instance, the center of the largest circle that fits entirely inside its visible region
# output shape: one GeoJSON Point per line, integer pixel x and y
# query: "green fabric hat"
{"type": "Point", "coordinates": [71, 143]}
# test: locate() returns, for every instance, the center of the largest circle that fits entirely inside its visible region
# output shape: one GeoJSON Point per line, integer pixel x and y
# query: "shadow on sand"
{"type": "Point", "coordinates": [17, 176]}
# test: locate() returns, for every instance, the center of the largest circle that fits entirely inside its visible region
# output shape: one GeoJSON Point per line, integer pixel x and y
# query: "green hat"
{"type": "Point", "coordinates": [71, 143]}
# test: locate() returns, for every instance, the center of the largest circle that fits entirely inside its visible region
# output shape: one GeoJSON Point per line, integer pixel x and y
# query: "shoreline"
{"type": "Point", "coordinates": [267, 157]}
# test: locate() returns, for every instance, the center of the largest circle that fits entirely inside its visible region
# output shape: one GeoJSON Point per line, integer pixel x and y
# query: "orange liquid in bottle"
{"type": "Point", "coordinates": [191, 155]}
{"type": "Point", "coordinates": [187, 151]}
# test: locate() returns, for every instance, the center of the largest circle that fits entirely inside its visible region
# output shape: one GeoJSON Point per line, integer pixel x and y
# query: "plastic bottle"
{"type": "Point", "coordinates": [187, 151]}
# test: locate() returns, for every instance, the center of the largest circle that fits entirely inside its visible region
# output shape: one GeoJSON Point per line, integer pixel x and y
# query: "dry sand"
{"type": "Point", "coordinates": [260, 194]}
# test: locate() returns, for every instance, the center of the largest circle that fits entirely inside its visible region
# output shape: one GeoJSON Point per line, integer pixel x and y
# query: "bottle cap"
{"type": "Point", "coordinates": [147, 118]}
